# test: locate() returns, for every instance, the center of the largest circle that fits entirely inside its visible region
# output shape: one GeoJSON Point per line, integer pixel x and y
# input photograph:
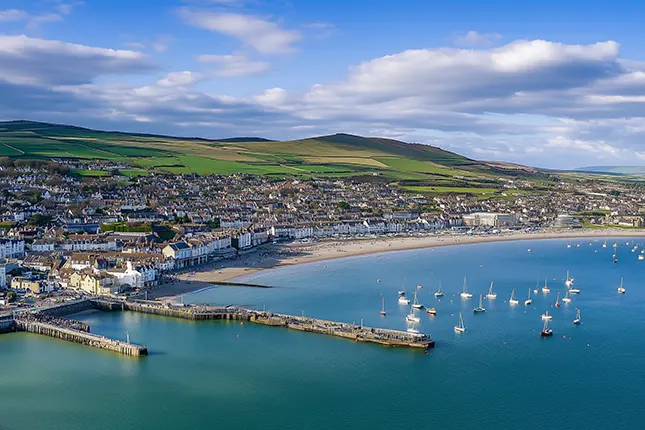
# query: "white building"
{"type": "Point", "coordinates": [127, 275]}
{"type": "Point", "coordinates": [42, 246]}
{"type": "Point", "coordinates": [487, 219]}
{"type": "Point", "coordinates": [12, 248]}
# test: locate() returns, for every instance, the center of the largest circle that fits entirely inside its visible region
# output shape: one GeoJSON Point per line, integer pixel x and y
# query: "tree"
{"type": "Point", "coordinates": [39, 220]}
{"type": "Point", "coordinates": [343, 205]}
{"type": "Point", "coordinates": [11, 296]}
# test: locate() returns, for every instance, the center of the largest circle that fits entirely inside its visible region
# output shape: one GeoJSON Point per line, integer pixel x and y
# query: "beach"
{"type": "Point", "coordinates": [273, 256]}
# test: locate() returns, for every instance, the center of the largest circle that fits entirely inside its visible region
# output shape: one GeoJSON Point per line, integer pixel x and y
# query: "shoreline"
{"type": "Point", "coordinates": [277, 256]}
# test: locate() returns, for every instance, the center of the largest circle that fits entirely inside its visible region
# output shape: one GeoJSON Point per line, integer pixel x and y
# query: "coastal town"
{"type": "Point", "coordinates": [66, 236]}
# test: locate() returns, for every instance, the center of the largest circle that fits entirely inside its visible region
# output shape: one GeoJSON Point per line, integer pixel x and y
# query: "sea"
{"type": "Point", "coordinates": [499, 374]}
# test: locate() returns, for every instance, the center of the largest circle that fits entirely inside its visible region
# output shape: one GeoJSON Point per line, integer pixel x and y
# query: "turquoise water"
{"type": "Point", "coordinates": [499, 374]}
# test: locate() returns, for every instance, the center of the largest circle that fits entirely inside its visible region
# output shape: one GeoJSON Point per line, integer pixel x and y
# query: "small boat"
{"type": "Point", "coordinates": [568, 245]}
{"type": "Point", "coordinates": [546, 331]}
{"type": "Point", "coordinates": [641, 256]}
{"type": "Point", "coordinates": [438, 293]}
{"type": "Point", "coordinates": [578, 246]}
{"type": "Point", "coordinates": [378, 280]}
{"type": "Point", "coordinates": [464, 291]}
{"type": "Point", "coordinates": [568, 280]}
{"type": "Point", "coordinates": [431, 311]}
{"type": "Point", "coordinates": [415, 302]}
{"type": "Point", "coordinates": [513, 301]}
{"type": "Point", "coordinates": [460, 328]}
{"type": "Point", "coordinates": [574, 290]}
{"type": "Point", "coordinates": [383, 313]}
{"type": "Point", "coordinates": [604, 245]}
{"type": "Point", "coordinates": [577, 320]}
{"type": "Point", "coordinates": [557, 301]}
{"type": "Point", "coordinates": [530, 250]}
{"type": "Point", "coordinates": [528, 301]}
{"type": "Point", "coordinates": [401, 293]}
{"type": "Point", "coordinates": [404, 300]}
{"type": "Point", "coordinates": [635, 248]}
{"type": "Point", "coordinates": [566, 298]}
{"type": "Point", "coordinates": [546, 316]}
{"type": "Point", "coordinates": [411, 317]}
{"type": "Point", "coordinates": [546, 288]}
{"type": "Point", "coordinates": [481, 307]}
{"type": "Point", "coordinates": [490, 294]}
{"type": "Point", "coordinates": [537, 284]}
{"type": "Point", "coordinates": [621, 289]}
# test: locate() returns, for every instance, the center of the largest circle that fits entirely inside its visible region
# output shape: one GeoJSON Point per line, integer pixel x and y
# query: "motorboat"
{"type": "Point", "coordinates": [431, 311]}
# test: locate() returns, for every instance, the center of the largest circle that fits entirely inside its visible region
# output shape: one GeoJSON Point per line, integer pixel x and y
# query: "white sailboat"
{"type": "Point", "coordinates": [546, 288]}
{"type": "Point", "coordinates": [604, 245]}
{"type": "Point", "coordinates": [641, 256]}
{"type": "Point", "coordinates": [537, 284]}
{"type": "Point", "coordinates": [415, 303]}
{"type": "Point", "coordinates": [438, 293]}
{"type": "Point", "coordinates": [621, 289]}
{"type": "Point", "coordinates": [460, 328]}
{"type": "Point", "coordinates": [411, 317]}
{"type": "Point", "coordinates": [464, 291]}
{"type": "Point", "coordinates": [528, 301]}
{"type": "Point", "coordinates": [546, 331]}
{"type": "Point", "coordinates": [566, 298]}
{"type": "Point", "coordinates": [557, 301]}
{"type": "Point", "coordinates": [491, 295]}
{"type": "Point", "coordinates": [568, 280]}
{"type": "Point", "coordinates": [513, 301]}
{"type": "Point", "coordinates": [546, 316]}
{"type": "Point", "coordinates": [481, 307]}
{"type": "Point", "coordinates": [577, 320]}
{"type": "Point", "coordinates": [404, 300]}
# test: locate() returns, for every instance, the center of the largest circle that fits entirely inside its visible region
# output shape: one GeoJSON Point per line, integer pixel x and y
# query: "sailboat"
{"type": "Point", "coordinates": [415, 303]}
{"type": "Point", "coordinates": [577, 320]}
{"type": "Point", "coordinates": [615, 258]}
{"type": "Point", "coordinates": [621, 289]}
{"type": "Point", "coordinates": [412, 328]}
{"type": "Point", "coordinates": [460, 328]}
{"type": "Point", "coordinates": [383, 313]}
{"type": "Point", "coordinates": [431, 311]}
{"type": "Point", "coordinates": [513, 301]}
{"type": "Point", "coordinates": [438, 293]}
{"type": "Point", "coordinates": [569, 245]}
{"type": "Point", "coordinates": [604, 245]}
{"type": "Point", "coordinates": [481, 307]}
{"type": "Point", "coordinates": [528, 301]}
{"type": "Point", "coordinates": [402, 291]}
{"type": "Point", "coordinates": [641, 256]}
{"type": "Point", "coordinates": [464, 293]}
{"type": "Point", "coordinates": [490, 294]}
{"type": "Point", "coordinates": [537, 284]}
{"type": "Point", "coordinates": [546, 331]}
{"type": "Point", "coordinates": [411, 317]}
{"type": "Point", "coordinates": [557, 301]}
{"type": "Point", "coordinates": [546, 288]}
{"type": "Point", "coordinates": [569, 281]}
{"type": "Point", "coordinates": [546, 316]}
{"type": "Point", "coordinates": [566, 298]}
{"type": "Point", "coordinates": [403, 300]}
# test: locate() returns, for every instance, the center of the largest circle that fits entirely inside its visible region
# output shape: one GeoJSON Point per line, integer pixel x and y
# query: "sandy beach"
{"type": "Point", "coordinates": [274, 256]}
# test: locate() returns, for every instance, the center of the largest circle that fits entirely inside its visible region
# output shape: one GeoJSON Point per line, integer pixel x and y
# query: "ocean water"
{"type": "Point", "coordinates": [499, 374]}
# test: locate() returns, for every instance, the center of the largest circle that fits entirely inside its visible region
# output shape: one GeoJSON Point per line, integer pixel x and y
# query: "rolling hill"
{"type": "Point", "coordinates": [339, 155]}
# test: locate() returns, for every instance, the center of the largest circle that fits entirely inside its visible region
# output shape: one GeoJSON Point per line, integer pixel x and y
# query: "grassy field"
{"type": "Point", "coordinates": [425, 168]}
{"type": "Point", "coordinates": [91, 173]}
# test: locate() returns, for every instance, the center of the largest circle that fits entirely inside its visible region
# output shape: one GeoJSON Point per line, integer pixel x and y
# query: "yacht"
{"type": "Point", "coordinates": [513, 301]}
{"type": "Point", "coordinates": [431, 311]}
{"type": "Point", "coordinates": [460, 328]}
{"type": "Point", "coordinates": [574, 290]}
{"type": "Point", "coordinates": [464, 291]}
{"type": "Point", "coordinates": [537, 285]}
{"type": "Point", "coordinates": [528, 301]}
{"type": "Point", "coordinates": [490, 294]}
{"type": "Point", "coordinates": [641, 256]}
{"type": "Point", "coordinates": [415, 303]}
{"type": "Point", "coordinates": [568, 245]}
{"type": "Point", "coordinates": [383, 313]}
{"type": "Point", "coordinates": [566, 298]}
{"type": "Point", "coordinates": [557, 301]}
{"type": "Point", "coordinates": [621, 289]}
{"type": "Point", "coordinates": [569, 281]}
{"type": "Point", "coordinates": [604, 245]}
{"type": "Point", "coordinates": [546, 331]}
{"type": "Point", "coordinates": [411, 317]}
{"type": "Point", "coordinates": [546, 316]}
{"type": "Point", "coordinates": [404, 300]}
{"type": "Point", "coordinates": [481, 307]}
{"type": "Point", "coordinates": [438, 293]}
{"type": "Point", "coordinates": [546, 288]}
{"type": "Point", "coordinates": [577, 320]}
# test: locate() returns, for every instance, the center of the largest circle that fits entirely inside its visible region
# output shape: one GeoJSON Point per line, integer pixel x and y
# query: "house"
{"type": "Point", "coordinates": [12, 248]}
{"type": "Point", "coordinates": [127, 276]}
{"type": "Point", "coordinates": [42, 245]}
{"type": "Point", "coordinates": [180, 252]}
{"type": "Point", "coordinates": [94, 283]}
{"type": "Point", "coordinates": [36, 286]}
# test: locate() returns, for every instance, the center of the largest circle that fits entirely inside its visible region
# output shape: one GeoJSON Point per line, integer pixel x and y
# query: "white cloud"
{"type": "Point", "coordinates": [265, 36]}
{"type": "Point", "coordinates": [34, 21]}
{"type": "Point", "coordinates": [13, 15]}
{"type": "Point", "coordinates": [180, 79]}
{"type": "Point", "coordinates": [473, 39]}
{"type": "Point", "coordinates": [234, 65]}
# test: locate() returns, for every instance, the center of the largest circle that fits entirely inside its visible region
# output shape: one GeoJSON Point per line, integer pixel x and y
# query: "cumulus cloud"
{"type": "Point", "coordinates": [234, 65]}
{"type": "Point", "coordinates": [265, 36]}
{"type": "Point", "coordinates": [473, 39]}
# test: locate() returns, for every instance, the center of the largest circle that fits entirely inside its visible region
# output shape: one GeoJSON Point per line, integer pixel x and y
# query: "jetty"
{"type": "Point", "coordinates": [52, 321]}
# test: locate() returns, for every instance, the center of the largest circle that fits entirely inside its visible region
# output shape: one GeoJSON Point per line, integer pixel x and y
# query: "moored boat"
{"type": "Point", "coordinates": [577, 320]}
{"type": "Point", "coordinates": [513, 301]}
{"type": "Point", "coordinates": [460, 328]}
{"type": "Point", "coordinates": [464, 291]}
{"type": "Point", "coordinates": [621, 288]}
{"type": "Point", "coordinates": [546, 331]}
{"type": "Point", "coordinates": [528, 301]}
{"type": "Point", "coordinates": [481, 307]}
{"type": "Point", "coordinates": [491, 295]}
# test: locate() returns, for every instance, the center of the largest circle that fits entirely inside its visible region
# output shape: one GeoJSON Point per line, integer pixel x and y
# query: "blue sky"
{"type": "Point", "coordinates": [554, 84]}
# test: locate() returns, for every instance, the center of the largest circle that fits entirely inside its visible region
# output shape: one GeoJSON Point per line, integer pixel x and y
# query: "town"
{"type": "Point", "coordinates": [120, 236]}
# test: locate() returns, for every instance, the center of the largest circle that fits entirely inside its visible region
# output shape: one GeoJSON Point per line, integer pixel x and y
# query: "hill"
{"type": "Point", "coordinates": [614, 170]}
{"type": "Point", "coordinates": [338, 155]}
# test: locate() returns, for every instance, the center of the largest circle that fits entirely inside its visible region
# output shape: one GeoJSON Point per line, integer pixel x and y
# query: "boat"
{"type": "Point", "coordinates": [615, 245]}
{"type": "Point", "coordinates": [621, 289]}
{"type": "Point", "coordinates": [401, 293]}
{"type": "Point", "coordinates": [431, 311]}
{"type": "Point", "coordinates": [635, 248]}
{"type": "Point", "coordinates": [615, 258]}
{"type": "Point", "coordinates": [566, 298]}
{"type": "Point", "coordinates": [546, 331]}
{"type": "Point", "coordinates": [411, 317]}
{"type": "Point", "coordinates": [568, 245]}
{"type": "Point", "coordinates": [412, 329]}
{"type": "Point", "coordinates": [641, 256]}
{"type": "Point", "coordinates": [513, 301]}
{"type": "Point", "coordinates": [577, 320]}
{"type": "Point", "coordinates": [546, 316]}
{"type": "Point", "coordinates": [415, 302]}
{"type": "Point", "coordinates": [578, 246]}
{"type": "Point", "coordinates": [574, 290]}
{"type": "Point", "coordinates": [481, 307]}
{"type": "Point", "coordinates": [460, 328]}
{"type": "Point", "coordinates": [383, 313]}
{"type": "Point", "coordinates": [378, 281]}
{"type": "Point", "coordinates": [404, 300]}
{"type": "Point", "coordinates": [530, 250]}
{"type": "Point", "coordinates": [490, 294]}
{"type": "Point", "coordinates": [557, 301]}
{"type": "Point", "coordinates": [568, 280]}
{"type": "Point", "coordinates": [438, 293]}
{"type": "Point", "coordinates": [546, 288]}
{"type": "Point", "coordinates": [528, 301]}
{"type": "Point", "coordinates": [604, 245]}
{"type": "Point", "coordinates": [464, 291]}
{"type": "Point", "coordinates": [537, 284]}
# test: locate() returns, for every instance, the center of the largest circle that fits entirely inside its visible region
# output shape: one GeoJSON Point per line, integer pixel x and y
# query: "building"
{"type": "Point", "coordinates": [101, 283]}
{"type": "Point", "coordinates": [487, 219]}
{"type": "Point", "coordinates": [565, 221]}
{"type": "Point", "coordinates": [180, 252]}
{"type": "Point", "coordinates": [12, 248]}
{"type": "Point", "coordinates": [42, 245]}
{"type": "Point", "coordinates": [127, 276]}
{"type": "Point", "coordinates": [36, 286]}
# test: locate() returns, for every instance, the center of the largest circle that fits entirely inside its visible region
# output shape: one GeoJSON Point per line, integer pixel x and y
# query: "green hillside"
{"type": "Point", "coordinates": [339, 155]}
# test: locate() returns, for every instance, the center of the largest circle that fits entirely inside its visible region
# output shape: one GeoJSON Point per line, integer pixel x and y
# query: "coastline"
{"type": "Point", "coordinates": [276, 256]}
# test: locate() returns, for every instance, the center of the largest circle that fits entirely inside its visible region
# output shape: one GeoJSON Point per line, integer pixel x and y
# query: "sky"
{"type": "Point", "coordinates": [543, 83]}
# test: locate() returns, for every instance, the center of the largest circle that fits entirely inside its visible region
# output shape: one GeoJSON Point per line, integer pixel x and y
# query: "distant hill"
{"type": "Point", "coordinates": [614, 170]}
{"type": "Point", "coordinates": [338, 155]}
